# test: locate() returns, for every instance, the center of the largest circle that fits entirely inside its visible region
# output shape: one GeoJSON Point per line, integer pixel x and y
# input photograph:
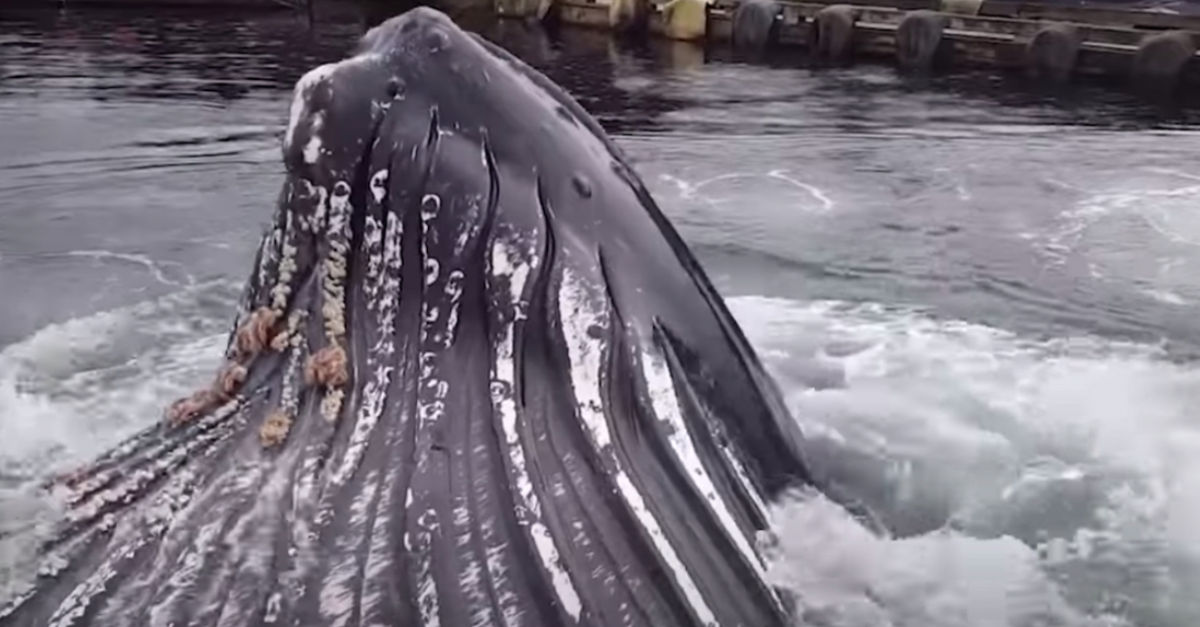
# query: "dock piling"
{"type": "Point", "coordinates": [1052, 51]}
{"type": "Point", "coordinates": [756, 24]}
{"type": "Point", "coordinates": [918, 37]}
{"type": "Point", "coordinates": [832, 33]}
{"type": "Point", "coordinates": [1160, 58]}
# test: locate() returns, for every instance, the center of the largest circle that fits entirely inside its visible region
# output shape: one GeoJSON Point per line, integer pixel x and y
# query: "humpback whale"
{"type": "Point", "coordinates": [476, 378]}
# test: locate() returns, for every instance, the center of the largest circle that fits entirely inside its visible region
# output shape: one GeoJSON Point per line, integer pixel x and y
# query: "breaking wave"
{"type": "Point", "coordinates": [1028, 482]}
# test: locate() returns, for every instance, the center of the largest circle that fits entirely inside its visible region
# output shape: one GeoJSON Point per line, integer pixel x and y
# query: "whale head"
{"type": "Point", "coordinates": [476, 378]}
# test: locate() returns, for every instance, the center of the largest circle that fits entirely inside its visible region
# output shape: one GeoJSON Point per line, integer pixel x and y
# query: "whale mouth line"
{"type": "Point", "coordinates": [475, 377]}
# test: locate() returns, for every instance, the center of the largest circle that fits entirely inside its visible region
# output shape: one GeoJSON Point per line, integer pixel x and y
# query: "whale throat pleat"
{"type": "Point", "coordinates": [448, 399]}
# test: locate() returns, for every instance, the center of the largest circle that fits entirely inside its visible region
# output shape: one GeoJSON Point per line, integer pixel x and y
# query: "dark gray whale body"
{"type": "Point", "coordinates": [476, 380]}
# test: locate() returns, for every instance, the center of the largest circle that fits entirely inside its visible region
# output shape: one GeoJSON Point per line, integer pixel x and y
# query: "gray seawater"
{"type": "Point", "coordinates": [980, 298]}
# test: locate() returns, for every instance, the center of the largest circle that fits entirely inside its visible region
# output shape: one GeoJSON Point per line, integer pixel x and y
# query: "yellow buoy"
{"type": "Point", "coordinates": [686, 20]}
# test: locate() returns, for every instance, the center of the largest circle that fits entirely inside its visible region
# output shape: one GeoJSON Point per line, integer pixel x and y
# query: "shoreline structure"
{"type": "Point", "coordinates": [1146, 47]}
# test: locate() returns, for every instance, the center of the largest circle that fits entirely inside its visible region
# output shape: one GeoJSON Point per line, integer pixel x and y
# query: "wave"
{"type": "Point", "coordinates": [1026, 481]}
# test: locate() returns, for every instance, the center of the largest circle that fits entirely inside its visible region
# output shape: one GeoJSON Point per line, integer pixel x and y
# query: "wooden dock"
{"type": "Point", "coordinates": [1150, 49]}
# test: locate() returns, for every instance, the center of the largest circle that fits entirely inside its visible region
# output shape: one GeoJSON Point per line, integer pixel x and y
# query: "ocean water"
{"type": "Point", "coordinates": [979, 298]}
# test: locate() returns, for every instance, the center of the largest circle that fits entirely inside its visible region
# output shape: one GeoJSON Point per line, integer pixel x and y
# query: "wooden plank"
{"type": "Point", "coordinates": [957, 31]}
{"type": "Point", "coordinates": [1088, 15]}
{"type": "Point", "coordinates": [1015, 9]}
{"type": "Point", "coordinates": [1021, 28]}
{"type": "Point", "coordinates": [990, 50]}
